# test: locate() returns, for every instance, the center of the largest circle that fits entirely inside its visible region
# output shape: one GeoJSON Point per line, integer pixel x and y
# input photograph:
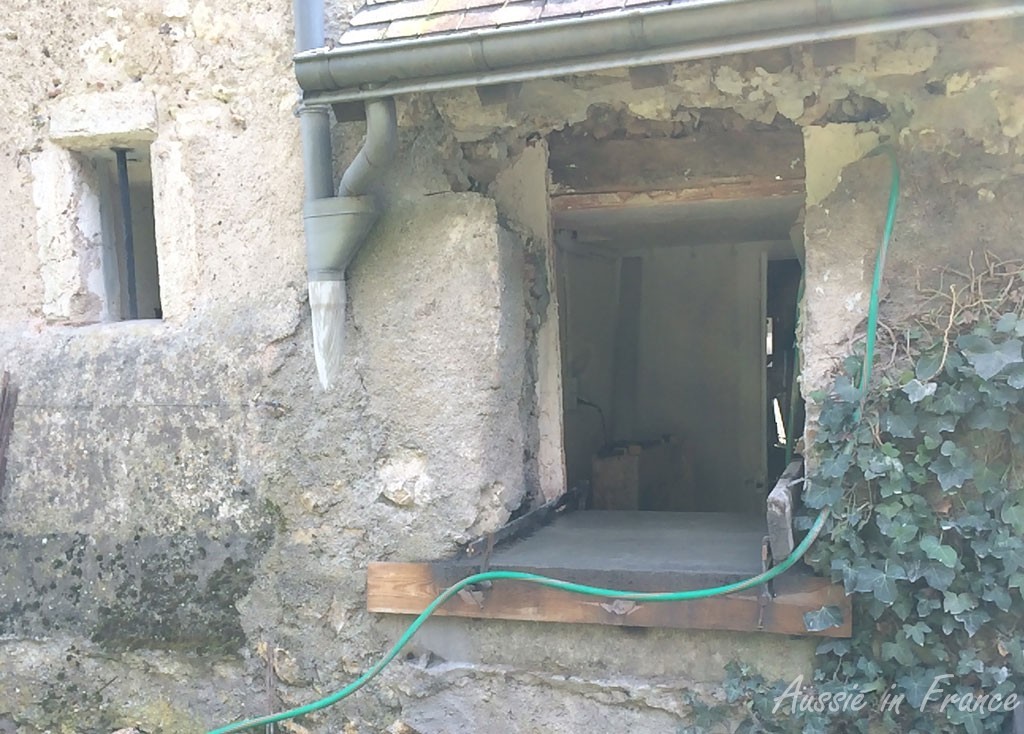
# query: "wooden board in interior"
{"type": "Point", "coordinates": [655, 475]}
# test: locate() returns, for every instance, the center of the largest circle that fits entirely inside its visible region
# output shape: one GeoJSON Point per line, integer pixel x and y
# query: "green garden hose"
{"type": "Point", "coordinates": [876, 283]}
{"type": "Point", "coordinates": [638, 596]}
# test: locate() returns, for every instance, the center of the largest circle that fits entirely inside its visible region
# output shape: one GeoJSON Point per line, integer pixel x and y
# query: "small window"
{"type": "Point", "coordinates": [131, 276]}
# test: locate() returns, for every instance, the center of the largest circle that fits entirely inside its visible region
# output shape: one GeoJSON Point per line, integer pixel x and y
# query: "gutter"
{"type": "Point", "coordinates": [691, 30]}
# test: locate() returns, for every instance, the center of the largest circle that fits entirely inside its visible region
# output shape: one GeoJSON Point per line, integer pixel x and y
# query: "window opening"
{"type": "Point", "coordinates": [129, 255]}
{"type": "Point", "coordinates": [677, 280]}
{"type": "Point", "coordinates": [783, 286]}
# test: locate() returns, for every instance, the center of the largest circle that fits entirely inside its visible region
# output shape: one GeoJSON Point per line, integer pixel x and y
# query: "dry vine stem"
{"type": "Point", "coordinates": [945, 334]}
{"type": "Point", "coordinates": [954, 308]}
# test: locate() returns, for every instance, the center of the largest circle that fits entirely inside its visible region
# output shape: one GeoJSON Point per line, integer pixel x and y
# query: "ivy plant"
{"type": "Point", "coordinates": [924, 477]}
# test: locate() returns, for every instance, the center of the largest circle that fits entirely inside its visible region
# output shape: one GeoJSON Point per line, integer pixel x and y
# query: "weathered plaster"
{"type": "Point", "coordinates": [68, 235]}
{"type": "Point", "coordinates": [521, 194]}
{"type": "Point", "coordinates": [834, 147]}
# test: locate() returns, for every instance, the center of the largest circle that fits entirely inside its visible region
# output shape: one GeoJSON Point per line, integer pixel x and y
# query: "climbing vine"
{"type": "Point", "coordinates": [925, 478]}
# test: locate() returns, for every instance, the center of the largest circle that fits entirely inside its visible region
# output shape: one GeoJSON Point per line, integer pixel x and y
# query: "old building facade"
{"type": "Point", "coordinates": [187, 516]}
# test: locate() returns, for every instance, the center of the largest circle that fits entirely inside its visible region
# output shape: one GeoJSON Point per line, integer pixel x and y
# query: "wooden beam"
{"type": "Point", "coordinates": [721, 190]}
{"type": "Point", "coordinates": [580, 164]}
{"type": "Point", "coordinates": [407, 588]}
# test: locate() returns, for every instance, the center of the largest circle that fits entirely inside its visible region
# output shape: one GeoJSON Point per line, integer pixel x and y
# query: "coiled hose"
{"type": "Point", "coordinates": [786, 564]}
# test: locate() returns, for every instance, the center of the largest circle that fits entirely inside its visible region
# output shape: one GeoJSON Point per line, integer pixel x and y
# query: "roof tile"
{"type": "Point", "coordinates": [385, 12]}
{"type": "Point", "coordinates": [364, 34]}
{"type": "Point", "coordinates": [513, 12]}
{"type": "Point", "coordinates": [393, 19]}
{"type": "Point", "coordinates": [409, 27]}
{"type": "Point", "coordinates": [450, 5]}
{"type": "Point", "coordinates": [559, 8]}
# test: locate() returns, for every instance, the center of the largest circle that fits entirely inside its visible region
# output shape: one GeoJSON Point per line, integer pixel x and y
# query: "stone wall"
{"type": "Point", "coordinates": [184, 510]}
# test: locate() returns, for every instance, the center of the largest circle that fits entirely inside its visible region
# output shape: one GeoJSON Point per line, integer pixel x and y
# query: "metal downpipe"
{"type": "Point", "coordinates": [335, 226]}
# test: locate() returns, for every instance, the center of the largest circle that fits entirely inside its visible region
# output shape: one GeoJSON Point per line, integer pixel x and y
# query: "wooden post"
{"type": "Point", "coordinates": [780, 510]}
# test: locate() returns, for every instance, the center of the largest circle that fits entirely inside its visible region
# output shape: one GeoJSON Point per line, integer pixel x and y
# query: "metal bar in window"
{"type": "Point", "coordinates": [126, 220]}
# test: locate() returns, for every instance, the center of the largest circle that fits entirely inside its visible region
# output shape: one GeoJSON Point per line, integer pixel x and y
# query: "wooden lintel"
{"type": "Point", "coordinates": [718, 190]}
{"type": "Point", "coordinates": [407, 588]}
{"type": "Point", "coordinates": [582, 165]}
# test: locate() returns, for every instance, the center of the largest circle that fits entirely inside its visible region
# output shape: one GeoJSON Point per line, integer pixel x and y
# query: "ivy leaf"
{"type": "Point", "coordinates": [967, 721]}
{"type": "Point", "coordinates": [926, 606]}
{"type": "Point", "coordinates": [822, 494]}
{"type": "Point", "coordinates": [927, 366]}
{"type": "Point", "coordinates": [958, 603]}
{"type": "Point", "coordinates": [900, 652]}
{"type": "Point", "coordinates": [988, 358]}
{"type": "Point", "coordinates": [973, 620]}
{"type": "Point", "coordinates": [897, 528]}
{"type": "Point", "coordinates": [915, 686]}
{"type": "Point", "coordinates": [989, 418]}
{"type": "Point", "coordinates": [835, 467]}
{"type": "Point", "coordinates": [900, 423]}
{"type": "Point", "coordinates": [989, 478]}
{"type": "Point", "coordinates": [916, 632]}
{"type": "Point", "coordinates": [1015, 376]}
{"type": "Point", "coordinates": [937, 551]}
{"type": "Point", "coordinates": [1010, 323]}
{"type": "Point", "coordinates": [834, 646]}
{"type": "Point", "coordinates": [882, 465]}
{"type": "Point", "coordinates": [939, 577]}
{"type": "Point", "coordinates": [823, 619]}
{"type": "Point", "coordinates": [918, 391]}
{"type": "Point", "coordinates": [935, 425]}
{"type": "Point", "coordinates": [949, 399]}
{"type": "Point", "coordinates": [949, 476]}
{"type": "Point", "coordinates": [1013, 515]}
{"type": "Point", "coordinates": [846, 391]}
{"type": "Point", "coordinates": [998, 596]}
{"type": "Point", "coordinates": [880, 583]}
{"type": "Point", "coordinates": [1003, 395]}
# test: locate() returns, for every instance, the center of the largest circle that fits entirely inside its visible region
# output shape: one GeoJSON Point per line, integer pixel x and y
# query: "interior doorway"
{"type": "Point", "coordinates": [678, 346]}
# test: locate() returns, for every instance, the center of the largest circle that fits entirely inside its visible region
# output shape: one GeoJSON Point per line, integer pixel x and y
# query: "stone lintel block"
{"type": "Point", "coordinates": [126, 117]}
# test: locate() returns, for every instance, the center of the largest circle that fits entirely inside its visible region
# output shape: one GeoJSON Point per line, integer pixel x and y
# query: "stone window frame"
{"type": "Point", "coordinates": [70, 221]}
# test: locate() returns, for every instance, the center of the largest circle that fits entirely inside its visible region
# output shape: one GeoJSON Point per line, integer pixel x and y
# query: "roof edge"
{"type": "Point", "coordinates": [684, 32]}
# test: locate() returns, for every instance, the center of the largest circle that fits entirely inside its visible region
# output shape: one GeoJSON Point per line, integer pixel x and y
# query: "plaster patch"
{"type": "Point", "coordinates": [729, 81]}
{"type": "Point", "coordinates": [911, 53]}
{"type": "Point", "coordinates": [829, 150]}
{"type": "Point", "coordinates": [1010, 108]}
